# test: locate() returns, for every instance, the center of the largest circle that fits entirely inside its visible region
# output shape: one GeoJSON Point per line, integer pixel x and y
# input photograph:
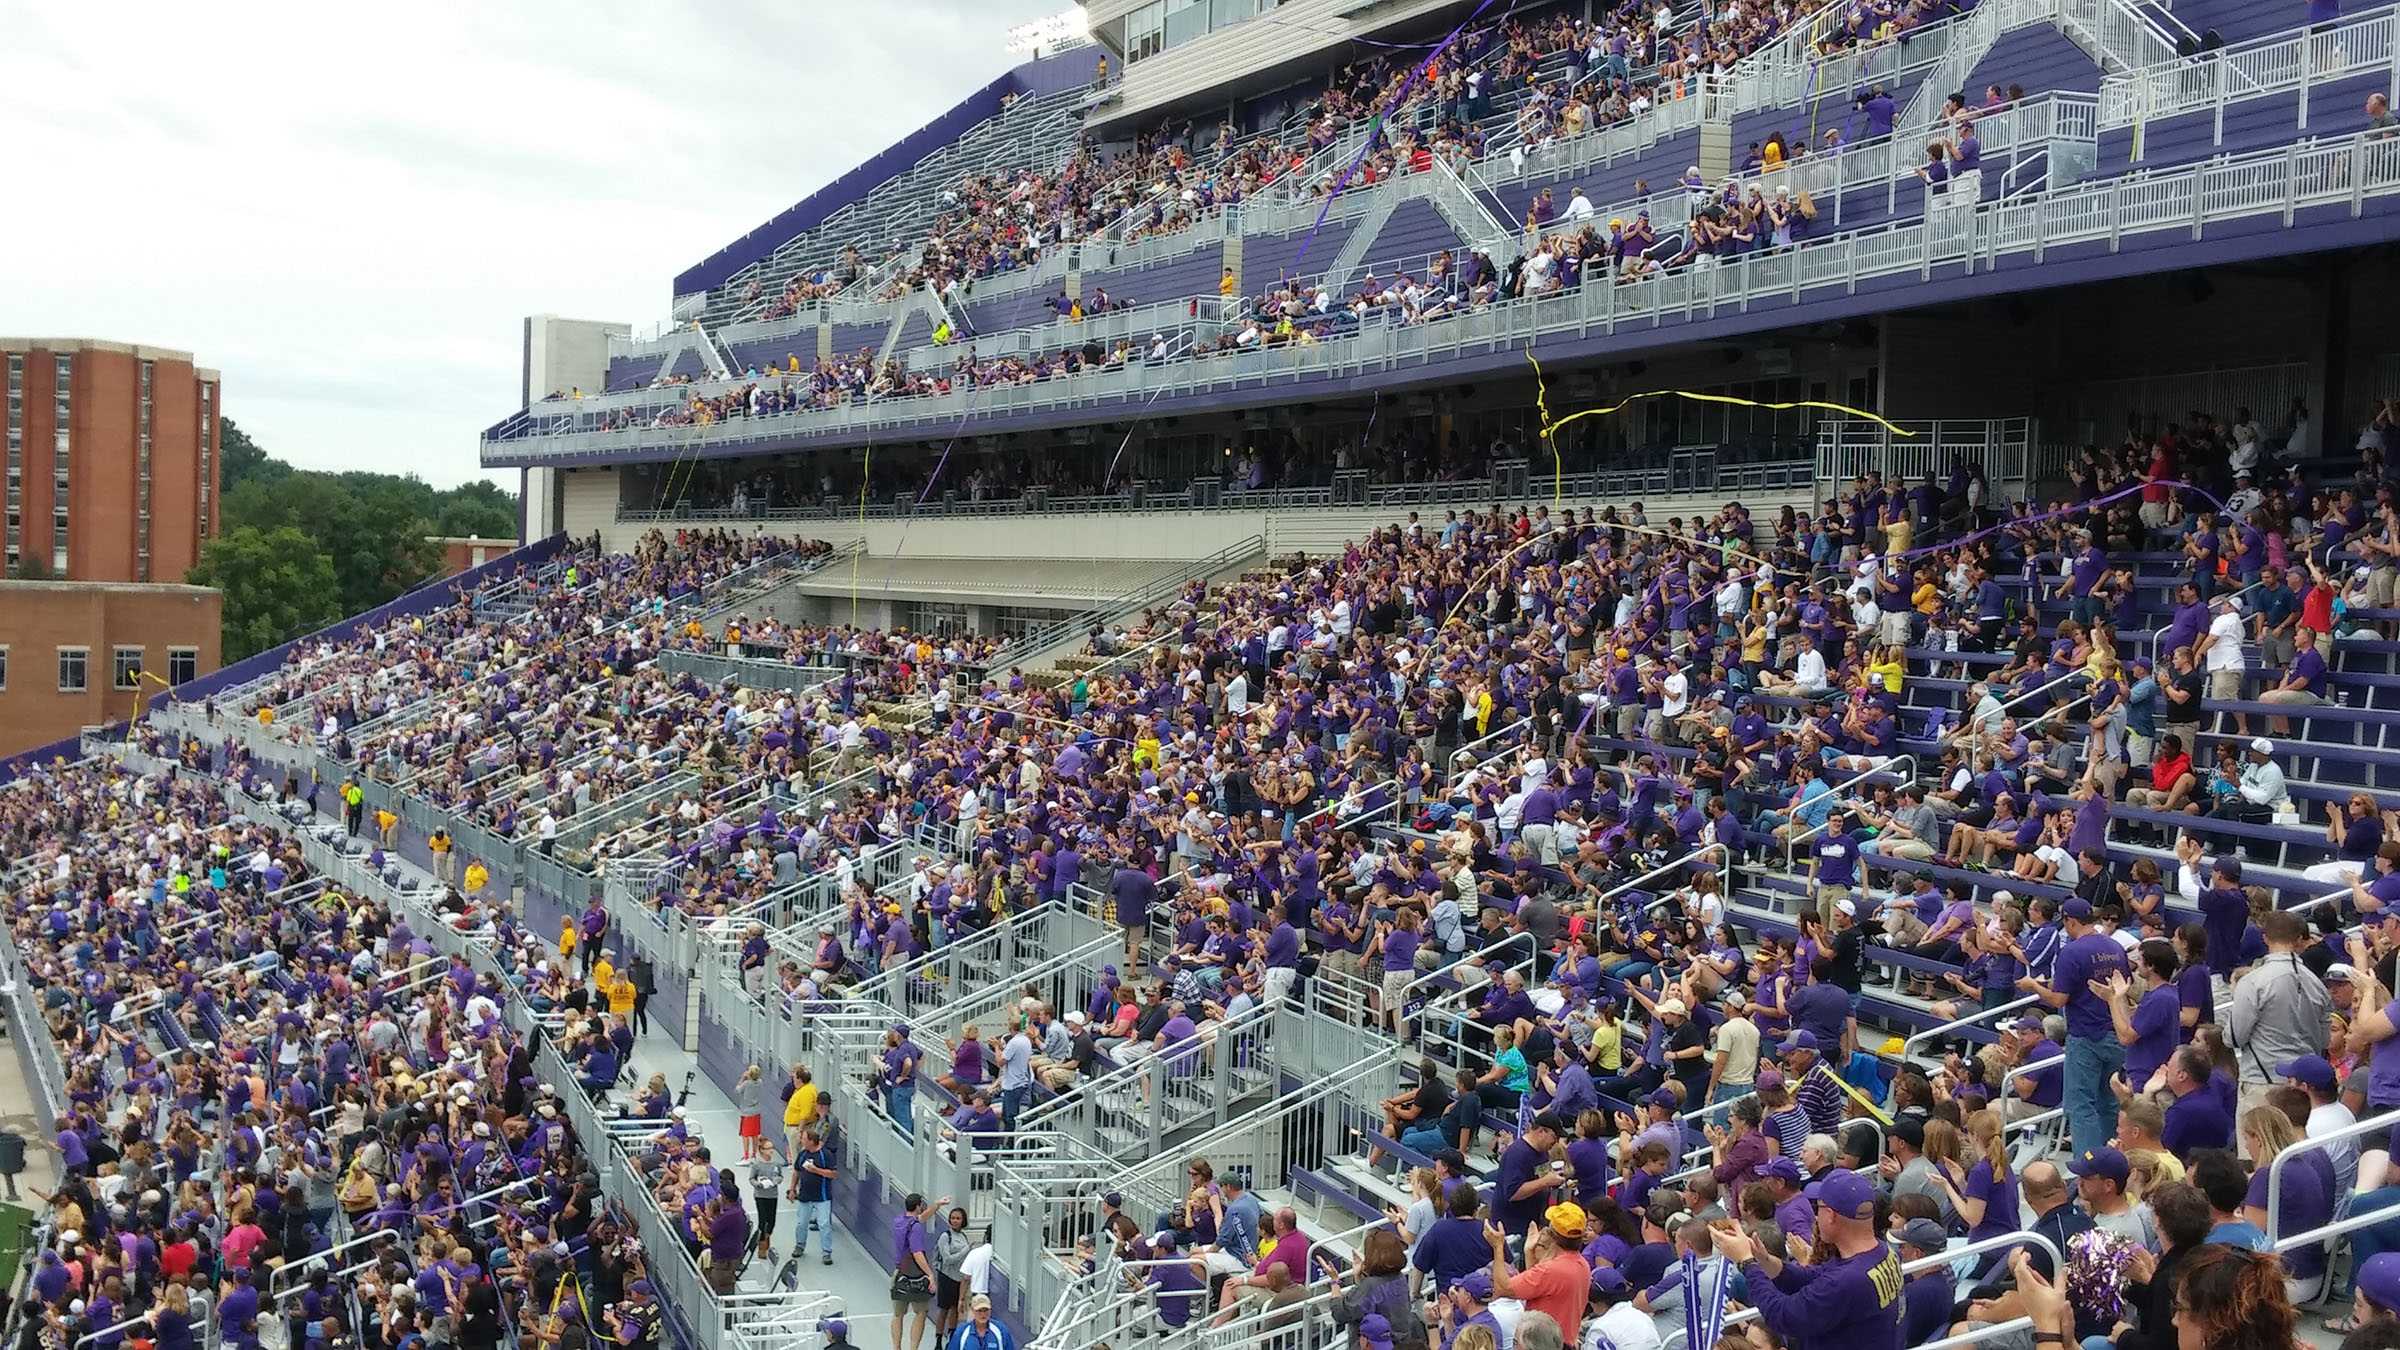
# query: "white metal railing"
{"type": "Point", "coordinates": [2295, 60]}
{"type": "Point", "coordinates": [1848, 449]}
{"type": "Point", "coordinates": [2280, 182]}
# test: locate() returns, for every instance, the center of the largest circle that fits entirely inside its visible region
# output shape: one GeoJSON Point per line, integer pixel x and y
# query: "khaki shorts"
{"type": "Point", "coordinates": [2225, 685]}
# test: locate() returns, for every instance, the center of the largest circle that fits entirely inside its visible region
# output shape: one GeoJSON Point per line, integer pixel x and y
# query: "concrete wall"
{"type": "Point", "coordinates": [591, 504]}
{"type": "Point", "coordinates": [1297, 32]}
{"type": "Point", "coordinates": [559, 354]}
{"type": "Point", "coordinates": [565, 354]}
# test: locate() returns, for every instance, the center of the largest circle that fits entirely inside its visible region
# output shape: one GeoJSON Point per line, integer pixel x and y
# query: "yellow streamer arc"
{"type": "Point", "coordinates": [1550, 425]}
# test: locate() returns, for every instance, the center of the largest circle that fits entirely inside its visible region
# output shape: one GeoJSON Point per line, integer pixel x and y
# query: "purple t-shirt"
{"type": "Point", "coordinates": [908, 1235]}
{"type": "Point", "coordinates": [2157, 1025]}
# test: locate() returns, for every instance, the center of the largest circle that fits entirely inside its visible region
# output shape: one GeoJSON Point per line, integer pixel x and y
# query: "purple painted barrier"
{"type": "Point", "coordinates": [1049, 75]}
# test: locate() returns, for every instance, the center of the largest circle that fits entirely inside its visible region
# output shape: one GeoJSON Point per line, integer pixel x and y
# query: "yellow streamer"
{"type": "Point", "coordinates": [1855, 1095]}
{"type": "Point", "coordinates": [1541, 401]}
{"type": "Point", "coordinates": [1541, 396]}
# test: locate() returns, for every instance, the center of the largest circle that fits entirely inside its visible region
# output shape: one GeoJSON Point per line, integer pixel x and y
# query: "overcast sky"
{"type": "Point", "coordinates": [348, 212]}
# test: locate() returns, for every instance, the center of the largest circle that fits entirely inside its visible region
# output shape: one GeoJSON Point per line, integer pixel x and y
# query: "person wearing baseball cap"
{"type": "Point", "coordinates": [1471, 1304]}
{"type": "Point", "coordinates": [2327, 1112]}
{"type": "Point", "coordinates": [979, 1331]}
{"type": "Point", "coordinates": [1556, 1279]}
{"type": "Point", "coordinates": [1795, 1213]}
{"type": "Point", "coordinates": [1853, 1299]}
{"type": "Point", "coordinates": [2087, 963]}
{"type": "Point", "coordinates": [2376, 1290]}
{"type": "Point", "coordinates": [1925, 1301]}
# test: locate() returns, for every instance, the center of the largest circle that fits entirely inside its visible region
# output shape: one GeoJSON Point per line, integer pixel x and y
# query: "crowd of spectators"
{"type": "Point", "coordinates": [259, 1069]}
{"type": "Point", "coordinates": [1288, 777]}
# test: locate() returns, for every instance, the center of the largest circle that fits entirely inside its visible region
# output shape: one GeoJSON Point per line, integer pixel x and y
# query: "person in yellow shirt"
{"type": "Point", "coordinates": [604, 973]}
{"type": "Point", "coordinates": [566, 939]}
{"type": "Point", "coordinates": [621, 994]}
{"type": "Point", "coordinates": [385, 825]}
{"type": "Point", "coordinates": [1891, 666]}
{"type": "Point", "coordinates": [477, 876]}
{"type": "Point", "coordinates": [1225, 283]}
{"type": "Point", "coordinates": [443, 860]}
{"type": "Point", "coordinates": [801, 1107]}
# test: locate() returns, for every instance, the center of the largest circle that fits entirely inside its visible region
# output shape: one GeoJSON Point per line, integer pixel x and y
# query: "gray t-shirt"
{"type": "Point", "coordinates": [1916, 1178]}
{"type": "Point", "coordinates": [1920, 823]}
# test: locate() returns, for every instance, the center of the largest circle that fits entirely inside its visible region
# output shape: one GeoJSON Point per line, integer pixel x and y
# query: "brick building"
{"type": "Point", "coordinates": [72, 654]}
{"type": "Point", "coordinates": [460, 552]}
{"type": "Point", "coordinates": [111, 459]}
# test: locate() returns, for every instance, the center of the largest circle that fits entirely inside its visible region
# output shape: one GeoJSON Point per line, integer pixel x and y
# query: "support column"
{"type": "Point", "coordinates": [2329, 358]}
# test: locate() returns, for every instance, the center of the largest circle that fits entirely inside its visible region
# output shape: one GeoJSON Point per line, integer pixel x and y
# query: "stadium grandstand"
{"type": "Point", "coordinates": [1340, 676]}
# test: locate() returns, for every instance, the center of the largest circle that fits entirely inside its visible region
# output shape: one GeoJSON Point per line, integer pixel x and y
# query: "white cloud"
{"type": "Point", "coordinates": [348, 211]}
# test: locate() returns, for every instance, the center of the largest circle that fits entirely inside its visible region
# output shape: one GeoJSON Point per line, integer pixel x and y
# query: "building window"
{"type": "Point", "coordinates": [141, 488]}
{"type": "Point", "coordinates": [62, 396]}
{"type": "Point", "coordinates": [208, 423]}
{"type": "Point", "coordinates": [74, 673]}
{"type": "Point", "coordinates": [13, 561]}
{"type": "Point", "coordinates": [183, 664]}
{"type": "Point", "coordinates": [127, 667]}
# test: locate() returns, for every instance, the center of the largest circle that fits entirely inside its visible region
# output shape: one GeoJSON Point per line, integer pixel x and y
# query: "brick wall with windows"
{"type": "Point", "coordinates": [72, 655]}
{"type": "Point", "coordinates": [112, 458]}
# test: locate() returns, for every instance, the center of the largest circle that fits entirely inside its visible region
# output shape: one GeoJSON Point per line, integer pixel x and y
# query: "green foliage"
{"type": "Point", "coordinates": [372, 528]}
{"type": "Point", "coordinates": [278, 585]}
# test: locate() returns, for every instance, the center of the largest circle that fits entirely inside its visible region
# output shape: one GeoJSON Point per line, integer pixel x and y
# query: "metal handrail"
{"type": "Point", "coordinates": [2161, 630]}
{"type": "Point", "coordinates": [1944, 1258]}
{"type": "Point", "coordinates": [1908, 1047]}
{"type": "Point", "coordinates": [1662, 869]}
{"type": "Point", "coordinates": [1889, 766]}
{"type": "Point", "coordinates": [205, 1321]}
{"type": "Point", "coordinates": [2373, 1125]}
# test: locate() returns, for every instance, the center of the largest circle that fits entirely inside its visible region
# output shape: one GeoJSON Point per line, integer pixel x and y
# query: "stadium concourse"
{"type": "Point", "coordinates": [1435, 938]}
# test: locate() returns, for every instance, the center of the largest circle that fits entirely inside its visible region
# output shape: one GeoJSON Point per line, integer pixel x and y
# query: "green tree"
{"type": "Point", "coordinates": [239, 460]}
{"type": "Point", "coordinates": [373, 530]}
{"type": "Point", "coordinates": [278, 585]}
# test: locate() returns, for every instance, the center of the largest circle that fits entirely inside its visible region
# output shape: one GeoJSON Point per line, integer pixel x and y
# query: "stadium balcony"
{"type": "Point", "coordinates": [2325, 192]}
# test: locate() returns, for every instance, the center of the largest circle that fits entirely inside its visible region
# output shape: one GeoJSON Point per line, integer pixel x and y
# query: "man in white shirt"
{"type": "Point", "coordinates": [1579, 207]}
{"type": "Point", "coordinates": [1808, 672]}
{"type": "Point", "coordinates": [2221, 655]}
{"type": "Point", "coordinates": [2262, 787]}
{"type": "Point", "coordinates": [1237, 693]}
{"type": "Point", "coordinates": [2326, 1112]}
{"type": "Point", "coordinates": [1674, 699]}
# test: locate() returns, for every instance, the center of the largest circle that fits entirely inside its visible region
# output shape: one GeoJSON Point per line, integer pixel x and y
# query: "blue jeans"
{"type": "Point", "coordinates": [1012, 1101]}
{"type": "Point", "coordinates": [903, 1105]}
{"type": "Point", "coordinates": [808, 1214]}
{"type": "Point", "coordinates": [2091, 1107]}
{"type": "Point", "coordinates": [2382, 1237]}
{"type": "Point", "coordinates": [1424, 1139]}
{"type": "Point", "coordinates": [1726, 1092]}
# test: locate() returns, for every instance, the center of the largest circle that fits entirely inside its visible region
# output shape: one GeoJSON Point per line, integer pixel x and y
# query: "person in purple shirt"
{"type": "Point", "coordinates": [1134, 892]}
{"type": "Point", "coordinates": [2090, 563]}
{"type": "Point", "coordinates": [1282, 955]}
{"type": "Point", "coordinates": [2148, 1014]}
{"type": "Point", "coordinates": [1397, 940]}
{"type": "Point", "coordinates": [2086, 964]}
{"type": "Point", "coordinates": [912, 1261]}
